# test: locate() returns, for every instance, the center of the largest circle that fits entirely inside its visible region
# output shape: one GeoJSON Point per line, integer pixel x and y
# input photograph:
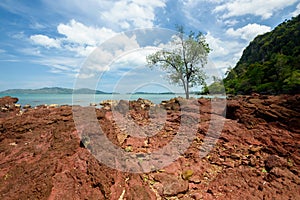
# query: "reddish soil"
{"type": "Point", "coordinates": [257, 155]}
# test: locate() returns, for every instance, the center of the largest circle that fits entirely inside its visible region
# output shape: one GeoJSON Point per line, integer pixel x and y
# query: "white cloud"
{"type": "Point", "coordinates": [134, 13]}
{"type": "Point", "coordinates": [80, 50]}
{"type": "Point", "coordinates": [297, 11]}
{"type": "Point", "coordinates": [85, 76]}
{"type": "Point", "coordinates": [30, 51]}
{"type": "Point", "coordinates": [226, 52]}
{"type": "Point", "coordinates": [113, 52]}
{"type": "Point", "coordinates": [2, 51]}
{"type": "Point", "coordinates": [118, 14]}
{"type": "Point", "coordinates": [77, 32]}
{"type": "Point", "coordinates": [248, 32]}
{"type": "Point", "coordinates": [231, 22]}
{"type": "Point", "coordinates": [136, 57]}
{"type": "Point", "coordinates": [59, 62]}
{"type": "Point", "coordinates": [101, 46]}
{"type": "Point", "coordinates": [265, 9]}
{"type": "Point", "coordinates": [217, 46]}
{"type": "Point", "coordinates": [77, 38]}
{"type": "Point", "coordinates": [221, 47]}
{"type": "Point", "coordinates": [36, 25]}
{"type": "Point", "coordinates": [45, 41]}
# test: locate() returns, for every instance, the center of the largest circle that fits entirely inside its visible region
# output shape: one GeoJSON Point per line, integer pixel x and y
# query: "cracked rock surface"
{"type": "Point", "coordinates": [257, 155]}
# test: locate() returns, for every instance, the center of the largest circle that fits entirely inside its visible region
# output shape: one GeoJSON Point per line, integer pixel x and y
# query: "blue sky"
{"type": "Point", "coordinates": [47, 43]}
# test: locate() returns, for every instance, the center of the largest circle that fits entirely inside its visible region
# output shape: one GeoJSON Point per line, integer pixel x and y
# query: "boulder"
{"type": "Point", "coordinates": [111, 103]}
{"type": "Point", "coordinates": [122, 107]}
{"type": "Point", "coordinates": [273, 161]}
{"type": "Point", "coordinates": [53, 106]}
{"type": "Point", "coordinates": [18, 105]}
{"type": "Point", "coordinates": [172, 184]}
{"type": "Point", "coordinates": [146, 102]}
{"type": "Point", "coordinates": [93, 104]}
{"type": "Point", "coordinates": [27, 106]}
{"type": "Point", "coordinates": [231, 110]}
{"type": "Point", "coordinates": [8, 101]}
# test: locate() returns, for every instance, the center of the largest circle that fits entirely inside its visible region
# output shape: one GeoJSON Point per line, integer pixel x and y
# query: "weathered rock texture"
{"type": "Point", "coordinates": [257, 156]}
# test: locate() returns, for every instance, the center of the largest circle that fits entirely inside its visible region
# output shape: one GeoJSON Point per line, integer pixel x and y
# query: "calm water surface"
{"type": "Point", "coordinates": [86, 99]}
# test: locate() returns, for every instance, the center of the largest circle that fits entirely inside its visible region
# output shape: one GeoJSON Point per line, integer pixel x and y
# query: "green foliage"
{"type": "Point", "coordinates": [183, 60]}
{"type": "Point", "coordinates": [217, 87]}
{"type": "Point", "coordinates": [205, 90]}
{"type": "Point", "coordinates": [264, 170]}
{"type": "Point", "coordinates": [270, 64]}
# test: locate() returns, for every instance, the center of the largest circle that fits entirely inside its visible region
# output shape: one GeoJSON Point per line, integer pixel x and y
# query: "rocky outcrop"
{"type": "Point", "coordinates": [43, 155]}
{"type": "Point", "coordinates": [8, 106]}
{"type": "Point", "coordinates": [283, 110]}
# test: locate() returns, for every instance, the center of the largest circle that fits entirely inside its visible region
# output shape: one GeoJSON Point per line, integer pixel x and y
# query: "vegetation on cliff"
{"type": "Point", "coordinates": [270, 64]}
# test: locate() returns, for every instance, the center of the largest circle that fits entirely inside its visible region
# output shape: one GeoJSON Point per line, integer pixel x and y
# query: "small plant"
{"type": "Point", "coordinates": [264, 170]}
{"type": "Point", "coordinates": [290, 162]}
{"type": "Point", "coordinates": [6, 176]}
{"type": "Point", "coordinates": [186, 175]}
{"type": "Point", "coordinates": [128, 149]}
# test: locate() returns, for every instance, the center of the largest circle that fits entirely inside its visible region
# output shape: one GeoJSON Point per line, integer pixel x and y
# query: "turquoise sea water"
{"type": "Point", "coordinates": [86, 99]}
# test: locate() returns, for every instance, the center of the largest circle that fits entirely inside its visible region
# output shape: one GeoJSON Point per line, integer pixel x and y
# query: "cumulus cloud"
{"type": "Point", "coordinates": [76, 32]}
{"type": "Point", "coordinates": [45, 41]}
{"type": "Point", "coordinates": [135, 58]}
{"type": "Point", "coordinates": [248, 32]}
{"type": "Point", "coordinates": [265, 9]}
{"type": "Point", "coordinates": [224, 53]}
{"type": "Point", "coordinates": [133, 14]}
{"type": "Point", "coordinates": [113, 52]}
{"type": "Point", "coordinates": [76, 37]}
{"type": "Point", "coordinates": [221, 47]}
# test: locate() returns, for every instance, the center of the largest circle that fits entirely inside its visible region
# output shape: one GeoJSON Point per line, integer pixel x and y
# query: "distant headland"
{"type": "Point", "coordinates": [60, 90]}
{"type": "Point", "coordinates": [54, 90]}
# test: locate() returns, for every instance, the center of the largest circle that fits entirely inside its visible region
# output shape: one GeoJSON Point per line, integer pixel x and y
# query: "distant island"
{"type": "Point", "coordinates": [54, 90]}
{"type": "Point", "coordinates": [59, 90]}
{"type": "Point", "coordinates": [169, 93]}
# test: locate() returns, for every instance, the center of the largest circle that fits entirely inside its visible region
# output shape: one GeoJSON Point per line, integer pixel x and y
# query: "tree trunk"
{"type": "Point", "coordinates": [185, 87]}
{"type": "Point", "coordinates": [187, 92]}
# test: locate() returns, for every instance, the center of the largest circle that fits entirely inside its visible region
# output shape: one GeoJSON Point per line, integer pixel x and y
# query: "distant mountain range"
{"type": "Point", "coordinates": [53, 90]}
{"type": "Point", "coordinates": [59, 90]}
{"type": "Point", "coordinates": [153, 93]}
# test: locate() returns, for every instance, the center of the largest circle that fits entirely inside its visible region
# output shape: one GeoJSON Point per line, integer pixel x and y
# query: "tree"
{"type": "Point", "coordinates": [184, 60]}
{"type": "Point", "coordinates": [216, 87]}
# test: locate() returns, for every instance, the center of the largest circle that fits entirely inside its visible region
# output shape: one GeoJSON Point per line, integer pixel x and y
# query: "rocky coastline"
{"type": "Point", "coordinates": [257, 156]}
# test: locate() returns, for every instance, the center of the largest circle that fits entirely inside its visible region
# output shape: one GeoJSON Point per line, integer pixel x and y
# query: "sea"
{"type": "Point", "coordinates": [86, 99]}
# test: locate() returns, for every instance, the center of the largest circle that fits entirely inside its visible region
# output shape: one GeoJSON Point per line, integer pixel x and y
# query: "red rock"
{"type": "Point", "coordinates": [41, 157]}
{"type": "Point", "coordinates": [172, 185]}
{"type": "Point", "coordinates": [272, 161]}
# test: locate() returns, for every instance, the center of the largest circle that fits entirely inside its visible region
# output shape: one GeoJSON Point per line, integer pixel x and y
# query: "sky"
{"type": "Point", "coordinates": [103, 44]}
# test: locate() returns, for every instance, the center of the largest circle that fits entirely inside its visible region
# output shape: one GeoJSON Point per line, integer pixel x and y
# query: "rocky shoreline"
{"type": "Point", "coordinates": [257, 156]}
